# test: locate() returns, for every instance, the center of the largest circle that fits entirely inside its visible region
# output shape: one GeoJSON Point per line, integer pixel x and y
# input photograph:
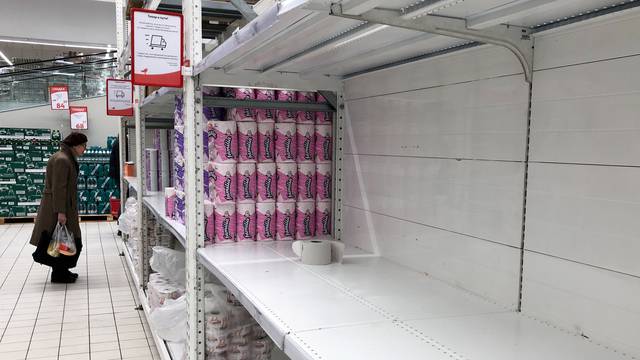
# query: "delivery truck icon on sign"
{"type": "Point", "coordinates": [157, 41]}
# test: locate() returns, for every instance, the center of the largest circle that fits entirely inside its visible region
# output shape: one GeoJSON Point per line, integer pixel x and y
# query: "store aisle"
{"type": "Point", "coordinates": [95, 318]}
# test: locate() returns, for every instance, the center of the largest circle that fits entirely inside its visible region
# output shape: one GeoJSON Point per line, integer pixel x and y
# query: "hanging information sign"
{"type": "Point", "coordinates": [119, 97]}
{"type": "Point", "coordinates": [59, 96]}
{"type": "Point", "coordinates": [79, 117]}
{"type": "Point", "coordinates": [156, 48]}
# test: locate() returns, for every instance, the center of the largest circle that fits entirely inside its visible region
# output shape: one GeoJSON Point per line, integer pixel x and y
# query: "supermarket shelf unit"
{"type": "Point", "coordinates": [367, 307]}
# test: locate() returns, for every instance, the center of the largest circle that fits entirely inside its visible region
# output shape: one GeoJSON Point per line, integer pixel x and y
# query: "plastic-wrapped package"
{"type": "Point", "coordinates": [306, 117]}
{"type": "Point", "coordinates": [127, 223]}
{"type": "Point", "coordinates": [169, 263]}
{"type": "Point", "coordinates": [170, 320]}
{"type": "Point", "coordinates": [160, 289]}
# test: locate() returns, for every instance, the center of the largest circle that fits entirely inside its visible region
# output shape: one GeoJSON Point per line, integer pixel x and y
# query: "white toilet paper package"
{"type": "Point", "coordinates": [170, 320]}
{"type": "Point", "coordinates": [169, 263]}
{"type": "Point", "coordinates": [160, 289]}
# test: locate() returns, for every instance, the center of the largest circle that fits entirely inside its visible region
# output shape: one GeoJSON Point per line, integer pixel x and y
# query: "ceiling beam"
{"type": "Point", "coordinates": [246, 10]}
{"type": "Point", "coordinates": [508, 12]}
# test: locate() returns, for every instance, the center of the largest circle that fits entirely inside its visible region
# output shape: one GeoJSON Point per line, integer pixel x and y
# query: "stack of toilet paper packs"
{"type": "Point", "coordinates": [160, 289]}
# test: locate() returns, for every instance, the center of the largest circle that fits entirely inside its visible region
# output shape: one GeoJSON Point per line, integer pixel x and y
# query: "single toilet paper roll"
{"type": "Point", "coordinates": [313, 252]}
{"type": "Point", "coordinates": [246, 222]}
{"type": "Point", "coordinates": [247, 142]}
{"type": "Point", "coordinates": [306, 143]}
{"type": "Point", "coordinates": [226, 141]}
{"type": "Point", "coordinates": [266, 143]}
{"type": "Point", "coordinates": [285, 141]}
{"type": "Point", "coordinates": [246, 183]}
{"type": "Point", "coordinates": [286, 115]}
{"type": "Point", "coordinates": [306, 117]}
{"type": "Point", "coordinates": [267, 182]}
{"type": "Point", "coordinates": [265, 115]}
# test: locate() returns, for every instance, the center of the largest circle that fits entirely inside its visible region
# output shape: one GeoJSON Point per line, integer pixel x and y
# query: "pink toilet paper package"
{"type": "Point", "coordinates": [306, 144]}
{"type": "Point", "coordinates": [323, 220]}
{"type": "Point", "coordinates": [225, 219]}
{"type": "Point", "coordinates": [306, 182]}
{"type": "Point", "coordinates": [323, 182]}
{"type": "Point", "coordinates": [225, 184]}
{"type": "Point", "coordinates": [211, 139]}
{"type": "Point", "coordinates": [286, 115]}
{"type": "Point", "coordinates": [287, 182]}
{"type": "Point", "coordinates": [247, 142]}
{"type": "Point", "coordinates": [267, 182]}
{"type": "Point", "coordinates": [265, 221]}
{"type": "Point", "coordinates": [324, 143]}
{"type": "Point", "coordinates": [285, 137]}
{"type": "Point", "coordinates": [306, 117]}
{"type": "Point", "coordinates": [265, 115]}
{"type": "Point", "coordinates": [247, 189]}
{"type": "Point", "coordinates": [286, 219]}
{"type": "Point", "coordinates": [242, 114]}
{"type": "Point", "coordinates": [305, 220]}
{"type": "Point", "coordinates": [226, 142]}
{"type": "Point", "coordinates": [246, 222]}
{"type": "Point", "coordinates": [266, 142]}
{"type": "Point", "coordinates": [323, 117]}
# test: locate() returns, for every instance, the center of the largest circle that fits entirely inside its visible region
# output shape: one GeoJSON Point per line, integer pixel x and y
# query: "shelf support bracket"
{"type": "Point", "coordinates": [247, 11]}
{"type": "Point", "coordinates": [516, 39]}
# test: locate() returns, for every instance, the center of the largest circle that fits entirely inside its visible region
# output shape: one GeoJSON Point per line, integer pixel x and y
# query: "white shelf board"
{"type": "Point", "coordinates": [154, 201]}
{"type": "Point", "coordinates": [311, 311]}
{"type": "Point", "coordinates": [160, 102]}
{"type": "Point", "coordinates": [132, 181]}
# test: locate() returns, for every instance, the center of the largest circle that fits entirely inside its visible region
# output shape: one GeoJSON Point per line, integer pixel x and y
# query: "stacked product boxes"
{"type": "Point", "coordinates": [95, 187]}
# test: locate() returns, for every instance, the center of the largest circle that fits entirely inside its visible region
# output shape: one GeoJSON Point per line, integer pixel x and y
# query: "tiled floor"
{"type": "Point", "coordinates": [95, 318]}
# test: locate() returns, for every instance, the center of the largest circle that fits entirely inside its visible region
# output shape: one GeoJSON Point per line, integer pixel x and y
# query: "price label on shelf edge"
{"type": "Point", "coordinates": [79, 116]}
{"type": "Point", "coordinates": [119, 97]}
{"type": "Point", "coordinates": [59, 96]}
{"type": "Point", "coordinates": [156, 48]}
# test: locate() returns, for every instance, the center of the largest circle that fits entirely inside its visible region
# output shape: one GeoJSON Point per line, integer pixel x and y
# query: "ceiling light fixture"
{"type": "Point", "coordinates": [78, 46]}
{"type": "Point", "coordinates": [5, 58]}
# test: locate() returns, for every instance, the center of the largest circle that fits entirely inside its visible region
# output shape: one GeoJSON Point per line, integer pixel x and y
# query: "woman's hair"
{"type": "Point", "coordinates": [74, 139]}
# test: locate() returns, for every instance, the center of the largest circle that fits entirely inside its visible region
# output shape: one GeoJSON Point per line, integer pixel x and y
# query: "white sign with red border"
{"type": "Point", "coordinates": [79, 117]}
{"type": "Point", "coordinates": [156, 49]}
{"type": "Point", "coordinates": [59, 97]}
{"type": "Point", "coordinates": [119, 97]}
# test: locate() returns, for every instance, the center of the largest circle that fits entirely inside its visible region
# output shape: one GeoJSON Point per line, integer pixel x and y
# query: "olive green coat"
{"type": "Point", "coordinates": [60, 195]}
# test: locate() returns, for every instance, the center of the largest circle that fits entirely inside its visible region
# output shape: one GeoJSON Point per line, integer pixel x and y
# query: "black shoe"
{"type": "Point", "coordinates": [72, 274]}
{"type": "Point", "coordinates": [62, 279]}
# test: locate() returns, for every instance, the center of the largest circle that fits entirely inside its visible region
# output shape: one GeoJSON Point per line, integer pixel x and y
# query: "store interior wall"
{"type": "Point", "coordinates": [441, 189]}
{"type": "Point", "coordinates": [581, 267]}
{"type": "Point", "coordinates": [100, 125]}
{"type": "Point", "coordinates": [434, 168]}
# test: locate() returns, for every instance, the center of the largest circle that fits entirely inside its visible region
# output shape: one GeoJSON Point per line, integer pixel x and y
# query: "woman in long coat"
{"type": "Point", "coordinates": [59, 202]}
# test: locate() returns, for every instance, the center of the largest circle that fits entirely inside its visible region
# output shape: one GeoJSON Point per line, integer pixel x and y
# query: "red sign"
{"type": "Point", "coordinates": [156, 48]}
{"type": "Point", "coordinates": [119, 97]}
{"type": "Point", "coordinates": [79, 116]}
{"type": "Point", "coordinates": [59, 96]}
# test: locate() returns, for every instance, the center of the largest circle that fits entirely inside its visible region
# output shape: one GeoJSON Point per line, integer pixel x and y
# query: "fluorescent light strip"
{"type": "Point", "coordinates": [6, 59]}
{"type": "Point", "coordinates": [78, 46]}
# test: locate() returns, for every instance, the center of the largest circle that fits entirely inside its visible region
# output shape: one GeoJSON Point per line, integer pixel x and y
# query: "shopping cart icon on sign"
{"type": "Point", "coordinates": [157, 41]}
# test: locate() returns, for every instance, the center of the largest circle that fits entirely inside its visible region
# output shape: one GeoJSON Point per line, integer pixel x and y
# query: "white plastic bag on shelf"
{"type": "Point", "coordinates": [170, 263]}
{"type": "Point", "coordinates": [170, 320]}
{"type": "Point", "coordinates": [127, 223]}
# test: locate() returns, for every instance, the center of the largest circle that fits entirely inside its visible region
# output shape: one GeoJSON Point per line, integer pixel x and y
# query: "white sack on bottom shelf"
{"type": "Point", "coordinates": [169, 263]}
{"type": "Point", "coordinates": [170, 320]}
{"type": "Point", "coordinates": [127, 223]}
{"type": "Point", "coordinates": [161, 289]}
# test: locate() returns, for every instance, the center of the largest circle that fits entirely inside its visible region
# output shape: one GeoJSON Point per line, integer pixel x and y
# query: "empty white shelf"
{"type": "Point", "coordinates": [132, 181]}
{"type": "Point", "coordinates": [154, 201]}
{"type": "Point", "coordinates": [371, 308]}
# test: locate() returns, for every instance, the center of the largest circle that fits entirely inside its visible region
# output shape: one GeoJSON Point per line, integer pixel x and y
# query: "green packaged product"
{"type": "Point", "coordinates": [18, 166]}
{"type": "Point", "coordinates": [36, 178]}
{"type": "Point", "coordinates": [20, 189]}
{"type": "Point", "coordinates": [96, 170]}
{"type": "Point", "coordinates": [20, 211]}
{"type": "Point", "coordinates": [6, 211]}
{"type": "Point", "coordinates": [82, 183]}
{"type": "Point", "coordinates": [32, 210]}
{"type": "Point", "coordinates": [55, 135]}
{"type": "Point", "coordinates": [21, 198]}
{"type": "Point", "coordinates": [92, 182]}
{"type": "Point", "coordinates": [84, 170]}
{"type": "Point", "coordinates": [104, 208]}
{"type": "Point", "coordinates": [101, 196]}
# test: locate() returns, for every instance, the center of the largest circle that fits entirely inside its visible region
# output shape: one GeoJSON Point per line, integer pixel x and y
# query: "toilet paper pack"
{"type": "Point", "coordinates": [226, 142]}
{"type": "Point", "coordinates": [225, 219]}
{"type": "Point", "coordinates": [306, 182]}
{"type": "Point", "coordinates": [241, 114]}
{"type": "Point", "coordinates": [305, 220]}
{"type": "Point", "coordinates": [267, 182]}
{"type": "Point", "coordinates": [306, 117]}
{"type": "Point", "coordinates": [306, 144]}
{"type": "Point", "coordinates": [246, 222]}
{"type": "Point", "coordinates": [169, 201]}
{"type": "Point", "coordinates": [323, 220]}
{"type": "Point", "coordinates": [265, 115]}
{"type": "Point", "coordinates": [287, 174]}
{"type": "Point", "coordinates": [265, 221]}
{"type": "Point", "coordinates": [211, 139]}
{"type": "Point", "coordinates": [247, 142]}
{"type": "Point", "coordinates": [247, 189]}
{"type": "Point", "coordinates": [180, 208]}
{"type": "Point", "coordinates": [225, 184]}
{"type": "Point", "coordinates": [324, 143]}
{"type": "Point", "coordinates": [285, 138]}
{"type": "Point", "coordinates": [266, 142]}
{"type": "Point", "coordinates": [285, 221]}
{"type": "Point", "coordinates": [286, 115]}
{"type": "Point", "coordinates": [323, 182]}
{"type": "Point", "coordinates": [323, 117]}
